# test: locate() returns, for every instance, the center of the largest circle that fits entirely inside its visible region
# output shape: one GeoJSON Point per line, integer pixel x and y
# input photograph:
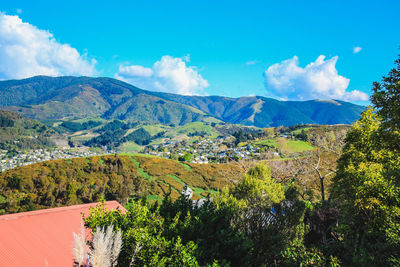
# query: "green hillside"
{"type": "Point", "coordinates": [17, 132]}
{"type": "Point", "coordinates": [85, 180]}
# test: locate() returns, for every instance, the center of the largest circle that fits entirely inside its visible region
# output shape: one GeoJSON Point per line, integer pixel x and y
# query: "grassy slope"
{"type": "Point", "coordinates": [193, 127]}
{"type": "Point", "coordinates": [285, 145]}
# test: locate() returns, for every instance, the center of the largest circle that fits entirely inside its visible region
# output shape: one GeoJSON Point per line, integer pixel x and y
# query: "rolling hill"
{"type": "Point", "coordinates": [17, 132]}
{"type": "Point", "coordinates": [59, 98]}
{"type": "Point", "coordinates": [84, 180]}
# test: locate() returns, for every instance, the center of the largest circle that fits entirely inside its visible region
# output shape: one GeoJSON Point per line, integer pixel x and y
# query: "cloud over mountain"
{"type": "Point", "coordinates": [169, 74]}
{"type": "Point", "coordinates": [26, 51]}
{"type": "Point", "coordinates": [318, 80]}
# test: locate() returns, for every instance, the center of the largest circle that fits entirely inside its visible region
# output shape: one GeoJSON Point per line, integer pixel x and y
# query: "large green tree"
{"type": "Point", "coordinates": [367, 183]}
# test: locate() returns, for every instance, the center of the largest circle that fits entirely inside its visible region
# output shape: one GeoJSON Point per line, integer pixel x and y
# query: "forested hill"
{"type": "Point", "coordinates": [86, 180]}
{"type": "Point", "coordinates": [58, 98]}
{"type": "Point", "coordinates": [17, 132]}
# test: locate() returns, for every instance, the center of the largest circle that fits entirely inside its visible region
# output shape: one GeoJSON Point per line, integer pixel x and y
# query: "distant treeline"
{"type": "Point", "coordinates": [77, 126]}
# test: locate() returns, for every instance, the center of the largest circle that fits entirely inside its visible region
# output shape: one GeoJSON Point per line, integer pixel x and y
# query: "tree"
{"type": "Point", "coordinates": [386, 99]}
{"type": "Point", "coordinates": [187, 157]}
{"type": "Point", "coordinates": [143, 237]}
{"type": "Point", "coordinates": [269, 214]}
{"type": "Point", "coordinates": [367, 187]}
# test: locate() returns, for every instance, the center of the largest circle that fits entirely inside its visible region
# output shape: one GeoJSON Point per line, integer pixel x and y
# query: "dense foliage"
{"type": "Point", "coordinates": [258, 222]}
{"type": "Point", "coordinates": [243, 136]}
{"type": "Point", "coordinates": [139, 136]}
{"type": "Point", "coordinates": [77, 126]}
{"type": "Point", "coordinates": [19, 133]}
{"type": "Point", "coordinates": [113, 177]}
{"type": "Point", "coordinates": [116, 125]}
{"type": "Point", "coordinates": [112, 136]}
{"type": "Point", "coordinates": [109, 139]}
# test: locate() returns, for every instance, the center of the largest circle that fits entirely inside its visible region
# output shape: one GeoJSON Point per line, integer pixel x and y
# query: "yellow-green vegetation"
{"type": "Point", "coordinates": [305, 129]}
{"type": "Point", "coordinates": [129, 147]}
{"type": "Point", "coordinates": [291, 146]}
{"type": "Point", "coordinates": [257, 222]}
{"type": "Point", "coordinates": [211, 119]}
{"type": "Point", "coordinates": [194, 128]}
{"type": "Point", "coordinates": [156, 128]}
{"type": "Point", "coordinates": [207, 177]}
{"type": "Point", "coordinates": [85, 180]}
{"type": "Point", "coordinates": [17, 132]}
{"type": "Point", "coordinates": [285, 145]}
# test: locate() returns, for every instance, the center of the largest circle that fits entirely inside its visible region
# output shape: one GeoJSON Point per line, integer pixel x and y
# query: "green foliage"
{"type": "Point", "coordinates": [267, 213]}
{"type": "Point", "coordinates": [77, 126]}
{"type": "Point", "coordinates": [109, 139]}
{"type": "Point", "coordinates": [386, 98]}
{"type": "Point", "coordinates": [143, 235]}
{"type": "Point", "coordinates": [209, 227]}
{"type": "Point", "coordinates": [258, 187]}
{"type": "Point", "coordinates": [60, 183]}
{"type": "Point", "coordinates": [113, 177]}
{"type": "Point", "coordinates": [298, 255]}
{"type": "Point", "coordinates": [367, 186]}
{"type": "Point", "coordinates": [187, 157]}
{"type": "Point", "coordinates": [258, 222]}
{"type": "Point", "coordinates": [115, 125]}
{"type": "Point", "coordinates": [19, 133]}
{"type": "Point", "coordinates": [139, 136]}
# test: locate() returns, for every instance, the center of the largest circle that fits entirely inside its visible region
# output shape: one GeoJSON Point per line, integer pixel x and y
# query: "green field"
{"type": "Point", "coordinates": [129, 147]}
{"type": "Point", "coordinates": [293, 146]}
{"type": "Point", "coordinates": [193, 127]}
{"type": "Point", "coordinates": [285, 145]}
{"type": "Point", "coordinates": [155, 129]}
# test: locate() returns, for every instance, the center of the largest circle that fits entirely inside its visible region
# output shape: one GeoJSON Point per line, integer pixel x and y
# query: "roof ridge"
{"type": "Point", "coordinates": [14, 216]}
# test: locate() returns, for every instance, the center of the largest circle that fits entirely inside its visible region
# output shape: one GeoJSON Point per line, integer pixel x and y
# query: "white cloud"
{"type": "Point", "coordinates": [27, 51]}
{"type": "Point", "coordinates": [135, 71]}
{"type": "Point", "coordinates": [19, 11]}
{"type": "Point", "coordinates": [318, 80]}
{"type": "Point", "coordinates": [169, 74]}
{"type": "Point", "coordinates": [356, 49]}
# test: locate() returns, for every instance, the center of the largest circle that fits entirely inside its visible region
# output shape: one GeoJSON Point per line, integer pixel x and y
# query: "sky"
{"type": "Point", "coordinates": [287, 49]}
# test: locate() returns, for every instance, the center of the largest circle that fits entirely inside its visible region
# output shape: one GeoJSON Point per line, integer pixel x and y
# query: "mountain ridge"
{"type": "Point", "coordinates": [68, 97]}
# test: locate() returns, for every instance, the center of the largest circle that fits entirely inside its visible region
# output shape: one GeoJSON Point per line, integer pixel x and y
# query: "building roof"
{"type": "Point", "coordinates": [42, 237]}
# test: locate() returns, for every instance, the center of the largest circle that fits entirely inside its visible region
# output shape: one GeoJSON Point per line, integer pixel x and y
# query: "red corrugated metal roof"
{"type": "Point", "coordinates": [42, 237]}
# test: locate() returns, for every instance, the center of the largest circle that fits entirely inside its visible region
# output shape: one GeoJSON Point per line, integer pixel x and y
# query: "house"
{"type": "Point", "coordinates": [42, 237]}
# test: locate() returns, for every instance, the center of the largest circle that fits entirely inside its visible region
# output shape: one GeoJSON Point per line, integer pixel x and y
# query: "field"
{"type": "Point", "coordinates": [192, 128]}
{"type": "Point", "coordinates": [292, 146]}
{"type": "Point", "coordinates": [128, 147]}
{"type": "Point", "coordinates": [285, 145]}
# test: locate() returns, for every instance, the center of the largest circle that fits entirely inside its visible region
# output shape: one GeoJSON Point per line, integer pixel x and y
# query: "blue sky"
{"type": "Point", "coordinates": [214, 47]}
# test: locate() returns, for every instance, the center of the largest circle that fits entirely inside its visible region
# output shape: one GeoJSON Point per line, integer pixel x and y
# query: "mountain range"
{"type": "Point", "coordinates": [64, 98]}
